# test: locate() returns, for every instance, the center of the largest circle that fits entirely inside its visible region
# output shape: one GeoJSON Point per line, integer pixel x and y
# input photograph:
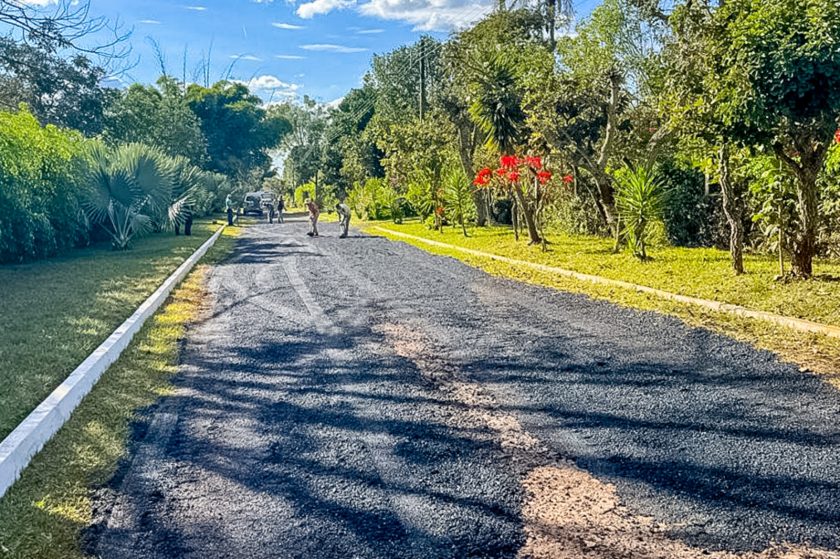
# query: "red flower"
{"type": "Point", "coordinates": [535, 162]}
{"type": "Point", "coordinates": [513, 176]}
{"type": "Point", "coordinates": [501, 172]}
{"type": "Point", "coordinates": [508, 161]}
{"type": "Point", "coordinates": [837, 136]}
{"type": "Point", "coordinates": [481, 180]}
{"type": "Point", "coordinates": [486, 172]}
{"type": "Point", "coordinates": [544, 176]}
{"type": "Point", "coordinates": [568, 179]}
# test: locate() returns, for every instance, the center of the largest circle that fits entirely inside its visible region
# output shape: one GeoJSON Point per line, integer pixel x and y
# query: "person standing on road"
{"type": "Point", "coordinates": [281, 205]}
{"type": "Point", "coordinates": [343, 211]}
{"type": "Point", "coordinates": [314, 213]}
{"type": "Point", "coordinates": [229, 209]}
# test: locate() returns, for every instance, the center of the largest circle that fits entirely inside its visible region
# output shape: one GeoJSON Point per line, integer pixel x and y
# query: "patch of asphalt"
{"type": "Point", "coordinates": [298, 431]}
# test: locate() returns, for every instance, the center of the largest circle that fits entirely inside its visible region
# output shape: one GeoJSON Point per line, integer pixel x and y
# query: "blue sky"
{"type": "Point", "coordinates": [320, 48]}
{"type": "Point", "coordinates": [282, 48]}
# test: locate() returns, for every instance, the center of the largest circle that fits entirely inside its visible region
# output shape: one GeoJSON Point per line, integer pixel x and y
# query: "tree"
{"type": "Point", "coordinates": [63, 24]}
{"type": "Point", "coordinates": [771, 78]}
{"type": "Point", "coordinates": [158, 116]}
{"type": "Point", "coordinates": [64, 92]}
{"type": "Point", "coordinates": [640, 199]}
{"type": "Point", "coordinates": [238, 130]}
{"type": "Point", "coordinates": [462, 64]}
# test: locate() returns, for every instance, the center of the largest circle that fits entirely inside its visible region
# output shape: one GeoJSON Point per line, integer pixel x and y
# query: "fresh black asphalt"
{"type": "Point", "coordinates": [297, 431]}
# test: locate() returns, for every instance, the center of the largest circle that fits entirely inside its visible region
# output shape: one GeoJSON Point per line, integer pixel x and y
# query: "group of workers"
{"type": "Point", "coordinates": [342, 209]}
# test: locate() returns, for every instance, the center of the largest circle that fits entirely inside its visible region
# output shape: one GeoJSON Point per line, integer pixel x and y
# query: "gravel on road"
{"type": "Point", "coordinates": [362, 398]}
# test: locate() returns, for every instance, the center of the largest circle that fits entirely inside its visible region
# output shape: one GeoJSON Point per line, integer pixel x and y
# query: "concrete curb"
{"type": "Point", "coordinates": [789, 322]}
{"type": "Point", "coordinates": [28, 438]}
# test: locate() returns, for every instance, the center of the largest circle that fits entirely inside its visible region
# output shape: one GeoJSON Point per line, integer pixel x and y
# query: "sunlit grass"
{"type": "Point", "coordinates": [56, 311]}
{"type": "Point", "coordinates": [43, 514]}
{"type": "Point", "coordinates": [696, 272]}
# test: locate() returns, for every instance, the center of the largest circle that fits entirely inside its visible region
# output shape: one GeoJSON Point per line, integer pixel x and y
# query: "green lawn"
{"type": "Point", "coordinates": [43, 515]}
{"type": "Point", "coordinates": [56, 311]}
{"type": "Point", "coordinates": [698, 272]}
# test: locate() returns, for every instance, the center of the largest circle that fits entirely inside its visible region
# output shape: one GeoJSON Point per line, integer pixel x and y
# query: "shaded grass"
{"type": "Point", "coordinates": [697, 272]}
{"type": "Point", "coordinates": [43, 514]}
{"type": "Point", "coordinates": [56, 311]}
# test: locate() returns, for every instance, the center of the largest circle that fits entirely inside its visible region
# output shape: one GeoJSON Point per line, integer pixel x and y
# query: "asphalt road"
{"type": "Point", "coordinates": [330, 405]}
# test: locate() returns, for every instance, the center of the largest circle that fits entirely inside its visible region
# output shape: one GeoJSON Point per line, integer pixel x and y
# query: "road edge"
{"type": "Point", "coordinates": [727, 308]}
{"type": "Point", "coordinates": [30, 436]}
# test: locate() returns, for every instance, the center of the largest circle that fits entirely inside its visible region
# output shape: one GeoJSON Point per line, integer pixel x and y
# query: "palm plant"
{"type": "Point", "coordinates": [458, 197]}
{"type": "Point", "coordinates": [497, 107]}
{"type": "Point", "coordinates": [640, 199]}
{"type": "Point", "coordinates": [128, 189]}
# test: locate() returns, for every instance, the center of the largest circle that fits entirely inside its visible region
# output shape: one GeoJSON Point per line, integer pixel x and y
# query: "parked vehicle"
{"type": "Point", "coordinates": [253, 204]}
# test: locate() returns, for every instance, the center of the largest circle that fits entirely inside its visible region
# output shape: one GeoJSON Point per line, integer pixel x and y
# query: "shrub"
{"type": "Point", "coordinates": [39, 188]}
{"type": "Point", "coordinates": [640, 198]}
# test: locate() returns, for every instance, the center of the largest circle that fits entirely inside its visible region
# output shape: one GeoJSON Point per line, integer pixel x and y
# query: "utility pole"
{"type": "Point", "coordinates": [422, 78]}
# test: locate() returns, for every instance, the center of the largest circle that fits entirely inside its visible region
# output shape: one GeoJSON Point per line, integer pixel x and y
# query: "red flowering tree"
{"type": "Point", "coordinates": [524, 179]}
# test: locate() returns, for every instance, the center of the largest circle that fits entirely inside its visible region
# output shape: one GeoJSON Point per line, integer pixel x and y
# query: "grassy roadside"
{"type": "Point", "coordinates": [697, 272]}
{"type": "Point", "coordinates": [43, 514]}
{"type": "Point", "coordinates": [56, 311]}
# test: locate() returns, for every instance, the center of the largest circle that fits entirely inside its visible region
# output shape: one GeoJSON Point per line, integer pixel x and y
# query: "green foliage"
{"type": "Point", "coordinates": [497, 106]}
{"type": "Point", "coordinates": [373, 199]}
{"type": "Point", "coordinates": [691, 217]}
{"type": "Point", "coordinates": [640, 199]}
{"type": "Point", "coordinates": [134, 189]}
{"type": "Point", "coordinates": [157, 116]}
{"type": "Point", "coordinates": [458, 200]}
{"type": "Point", "coordinates": [303, 192]}
{"type": "Point", "coordinates": [237, 129]}
{"type": "Point", "coordinates": [39, 196]}
{"type": "Point", "coordinates": [62, 91]}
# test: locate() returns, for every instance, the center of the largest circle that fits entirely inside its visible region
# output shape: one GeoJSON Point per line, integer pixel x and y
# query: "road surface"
{"type": "Point", "coordinates": [360, 398]}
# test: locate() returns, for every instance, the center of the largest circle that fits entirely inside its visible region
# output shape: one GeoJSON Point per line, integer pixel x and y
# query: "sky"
{"type": "Point", "coordinates": [283, 49]}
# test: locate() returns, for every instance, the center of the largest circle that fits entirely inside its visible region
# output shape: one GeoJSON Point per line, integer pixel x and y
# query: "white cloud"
{"type": "Point", "coordinates": [289, 57]}
{"type": "Point", "coordinates": [288, 26]}
{"type": "Point", "coordinates": [195, 8]}
{"type": "Point", "coordinates": [149, 22]}
{"type": "Point", "coordinates": [370, 31]}
{"type": "Point", "coordinates": [428, 15]}
{"type": "Point", "coordinates": [308, 10]}
{"type": "Point", "coordinates": [272, 86]}
{"type": "Point", "coordinates": [248, 57]}
{"type": "Point", "coordinates": [327, 47]}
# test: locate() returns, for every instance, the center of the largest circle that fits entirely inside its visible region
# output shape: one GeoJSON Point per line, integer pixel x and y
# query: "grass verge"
{"type": "Point", "coordinates": [43, 514]}
{"type": "Point", "coordinates": [56, 311]}
{"type": "Point", "coordinates": [703, 273]}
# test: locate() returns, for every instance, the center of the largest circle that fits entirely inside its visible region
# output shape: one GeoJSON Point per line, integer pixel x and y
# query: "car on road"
{"type": "Point", "coordinates": [253, 204]}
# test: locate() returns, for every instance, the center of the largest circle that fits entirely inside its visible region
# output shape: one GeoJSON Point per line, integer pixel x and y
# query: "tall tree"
{"type": "Point", "coordinates": [771, 77]}
{"type": "Point", "coordinates": [62, 91]}
{"type": "Point", "coordinates": [239, 131]}
{"type": "Point", "coordinates": [158, 116]}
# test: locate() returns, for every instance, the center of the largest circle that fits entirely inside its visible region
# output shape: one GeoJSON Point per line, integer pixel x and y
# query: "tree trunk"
{"type": "Point", "coordinates": [466, 149]}
{"type": "Point", "coordinates": [805, 241]}
{"type": "Point", "coordinates": [529, 215]}
{"type": "Point", "coordinates": [807, 170]}
{"type": "Point", "coordinates": [732, 210]}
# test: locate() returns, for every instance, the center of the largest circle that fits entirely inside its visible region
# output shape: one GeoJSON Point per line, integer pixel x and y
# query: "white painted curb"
{"type": "Point", "coordinates": [789, 322]}
{"type": "Point", "coordinates": [28, 438]}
